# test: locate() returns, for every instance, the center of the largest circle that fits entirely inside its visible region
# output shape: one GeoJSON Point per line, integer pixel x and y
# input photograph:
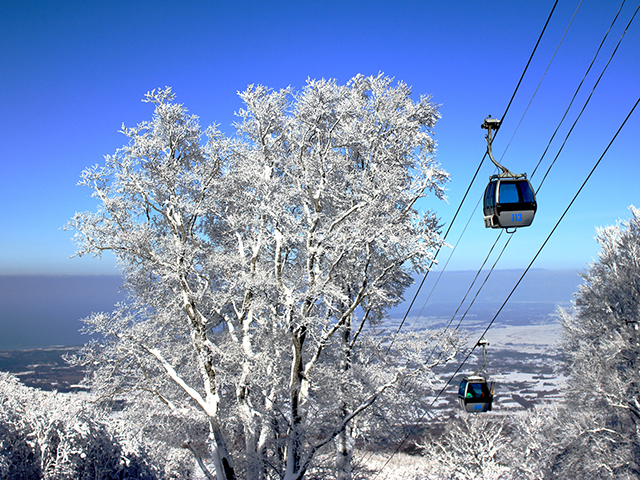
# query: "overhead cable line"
{"type": "Point", "coordinates": [486, 278]}
{"type": "Point", "coordinates": [474, 280]}
{"type": "Point", "coordinates": [589, 97]}
{"type": "Point", "coordinates": [476, 207]}
{"type": "Point", "coordinates": [477, 170]}
{"type": "Point", "coordinates": [545, 176]}
{"type": "Point", "coordinates": [579, 87]}
{"type": "Point", "coordinates": [541, 80]}
{"type": "Point", "coordinates": [576, 93]}
{"type": "Point", "coordinates": [547, 172]}
{"type": "Point", "coordinates": [516, 285]}
{"type": "Point", "coordinates": [442, 270]}
{"type": "Point", "coordinates": [438, 250]}
{"type": "Point", "coordinates": [528, 62]}
{"type": "Point", "coordinates": [469, 290]}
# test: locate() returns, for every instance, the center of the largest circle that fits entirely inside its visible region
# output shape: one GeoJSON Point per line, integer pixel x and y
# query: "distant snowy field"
{"type": "Point", "coordinates": [525, 338]}
{"type": "Point", "coordinates": [539, 377]}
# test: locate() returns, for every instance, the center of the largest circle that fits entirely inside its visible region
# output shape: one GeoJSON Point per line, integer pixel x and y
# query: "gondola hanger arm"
{"type": "Point", "coordinates": [483, 343]}
{"type": "Point", "coordinates": [493, 124]}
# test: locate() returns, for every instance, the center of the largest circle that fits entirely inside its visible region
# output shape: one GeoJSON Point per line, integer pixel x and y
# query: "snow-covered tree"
{"type": "Point", "coordinates": [260, 268]}
{"type": "Point", "coordinates": [602, 345]}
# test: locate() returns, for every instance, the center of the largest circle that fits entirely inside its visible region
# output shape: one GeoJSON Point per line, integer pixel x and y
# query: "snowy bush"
{"type": "Point", "coordinates": [50, 435]}
{"type": "Point", "coordinates": [472, 446]}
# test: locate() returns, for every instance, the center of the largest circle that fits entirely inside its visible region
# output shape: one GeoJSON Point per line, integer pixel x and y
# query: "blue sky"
{"type": "Point", "coordinates": [74, 71]}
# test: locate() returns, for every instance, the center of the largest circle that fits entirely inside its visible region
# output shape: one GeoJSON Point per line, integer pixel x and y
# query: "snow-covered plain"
{"type": "Point", "coordinates": [525, 338]}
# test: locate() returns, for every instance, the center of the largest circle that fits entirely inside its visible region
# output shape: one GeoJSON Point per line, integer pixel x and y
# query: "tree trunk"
{"type": "Point", "coordinates": [294, 437]}
{"type": "Point", "coordinates": [344, 444]}
{"type": "Point", "coordinates": [220, 454]}
{"type": "Point", "coordinates": [254, 463]}
{"type": "Point", "coordinates": [254, 459]}
{"type": "Point", "coordinates": [344, 441]}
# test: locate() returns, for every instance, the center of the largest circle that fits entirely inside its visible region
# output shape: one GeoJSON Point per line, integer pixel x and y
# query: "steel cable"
{"type": "Point", "coordinates": [516, 285]}
{"type": "Point", "coordinates": [544, 153]}
{"type": "Point", "coordinates": [477, 170]}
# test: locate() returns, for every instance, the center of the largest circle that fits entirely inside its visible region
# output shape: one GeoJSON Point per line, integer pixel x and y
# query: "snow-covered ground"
{"type": "Point", "coordinates": [400, 466]}
{"type": "Point", "coordinates": [525, 338]}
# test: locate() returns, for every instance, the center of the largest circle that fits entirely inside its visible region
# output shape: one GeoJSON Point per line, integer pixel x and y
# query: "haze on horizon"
{"type": "Point", "coordinates": [39, 311]}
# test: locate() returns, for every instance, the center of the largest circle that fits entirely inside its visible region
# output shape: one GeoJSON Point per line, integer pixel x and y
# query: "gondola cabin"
{"type": "Point", "coordinates": [509, 202]}
{"type": "Point", "coordinates": [475, 395]}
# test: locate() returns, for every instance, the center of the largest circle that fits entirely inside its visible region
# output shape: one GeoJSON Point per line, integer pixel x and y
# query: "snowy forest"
{"type": "Point", "coordinates": [259, 270]}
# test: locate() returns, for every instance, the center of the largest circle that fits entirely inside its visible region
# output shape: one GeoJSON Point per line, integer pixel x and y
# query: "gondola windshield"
{"type": "Point", "coordinates": [515, 192]}
{"type": "Point", "coordinates": [478, 390]}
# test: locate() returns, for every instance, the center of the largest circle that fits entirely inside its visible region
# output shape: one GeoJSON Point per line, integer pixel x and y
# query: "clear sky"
{"type": "Point", "coordinates": [74, 71]}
